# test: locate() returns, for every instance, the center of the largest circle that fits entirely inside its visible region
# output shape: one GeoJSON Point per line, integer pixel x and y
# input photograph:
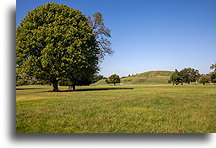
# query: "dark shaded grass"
{"type": "Point", "coordinates": [95, 89]}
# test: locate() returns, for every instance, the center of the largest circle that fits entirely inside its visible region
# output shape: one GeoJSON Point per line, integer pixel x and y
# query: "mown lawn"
{"type": "Point", "coordinates": [116, 109]}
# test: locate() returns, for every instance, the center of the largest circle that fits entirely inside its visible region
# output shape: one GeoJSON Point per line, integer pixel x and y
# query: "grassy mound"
{"type": "Point", "coordinates": [150, 77]}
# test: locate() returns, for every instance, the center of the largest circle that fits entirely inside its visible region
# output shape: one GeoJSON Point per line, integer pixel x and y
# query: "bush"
{"type": "Point", "coordinates": [204, 79]}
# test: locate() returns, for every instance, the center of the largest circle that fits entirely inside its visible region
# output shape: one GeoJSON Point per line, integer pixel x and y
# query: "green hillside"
{"type": "Point", "coordinates": [150, 77]}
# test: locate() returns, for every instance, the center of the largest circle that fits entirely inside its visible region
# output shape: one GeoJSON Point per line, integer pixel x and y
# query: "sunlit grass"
{"type": "Point", "coordinates": [119, 109]}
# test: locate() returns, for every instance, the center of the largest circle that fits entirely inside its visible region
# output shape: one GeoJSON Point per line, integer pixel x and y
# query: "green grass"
{"type": "Point", "coordinates": [119, 109]}
{"type": "Point", "coordinates": [146, 78]}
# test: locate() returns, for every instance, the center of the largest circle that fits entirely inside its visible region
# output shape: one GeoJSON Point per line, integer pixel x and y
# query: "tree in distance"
{"type": "Point", "coordinates": [204, 79]}
{"type": "Point", "coordinates": [176, 78]}
{"type": "Point", "coordinates": [113, 79]}
{"type": "Point", "coordinates": [212, 76]}
{"type": "Point", "coordinates": [55, 42]}
{"type": "Point", "coordinates": [189, 75]}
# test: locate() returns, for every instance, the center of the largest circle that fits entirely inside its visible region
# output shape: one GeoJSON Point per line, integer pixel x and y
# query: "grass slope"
{"type": "Point", "coordinates": [119, 109]}
{"type": "Point", "coordinates": [150, 77]}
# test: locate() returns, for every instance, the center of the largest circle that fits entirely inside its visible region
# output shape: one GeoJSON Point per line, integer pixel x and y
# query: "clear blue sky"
{"type": "Point", "coordinates": [150, 34]}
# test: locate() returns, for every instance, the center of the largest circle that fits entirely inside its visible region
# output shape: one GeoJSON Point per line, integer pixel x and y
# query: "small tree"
{"type": "Point", "coordinates": [204, 79]}
{"type": "Point", "coordinates": [113, 79]}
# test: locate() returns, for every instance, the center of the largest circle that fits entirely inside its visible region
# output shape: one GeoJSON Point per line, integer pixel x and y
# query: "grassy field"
{"type": "Point", "coordinates": [121, 109]}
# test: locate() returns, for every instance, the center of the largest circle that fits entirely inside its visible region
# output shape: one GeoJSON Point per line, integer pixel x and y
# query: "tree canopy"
{"type": "Point", "coordinates": [186, 75]}
{"type": "Point", "coordinates": [189, 75]}
{"type": "Point", "coordinates": [204, 79]}
{"type": "Point", "coordinates": [113, 79]}
{"type": "Point", "coordinates": [176, 78]}
{"type": "Point", "coordinates": [212, 76]}
{"type": "Point", "coordinates": [55, 42]}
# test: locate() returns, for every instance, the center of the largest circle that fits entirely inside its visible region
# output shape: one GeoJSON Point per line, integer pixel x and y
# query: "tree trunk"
{"type": "Point", "coordinates": [55, 86]}
{"type": "Point", "coordinates": [74, 87]}
{"type": "Point", "coordinates": [114, 84]}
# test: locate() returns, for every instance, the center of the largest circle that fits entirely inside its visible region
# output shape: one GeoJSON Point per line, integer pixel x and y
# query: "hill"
{"type": "Point", "coordinates": [150, 77]}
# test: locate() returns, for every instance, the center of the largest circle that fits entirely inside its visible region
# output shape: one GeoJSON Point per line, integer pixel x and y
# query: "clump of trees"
{"type": "Point", "coordinates": [209, 77]}
{"type": "Point", "coordinates": [186, 75]}
{"type": "Point", "coordinates": [57, 43]}
{"type": "Point", "coordinates": [189, 75]}
{"type": "Point", "coordinates": [113, 79]}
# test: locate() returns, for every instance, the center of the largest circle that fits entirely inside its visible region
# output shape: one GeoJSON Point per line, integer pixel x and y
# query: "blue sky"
{"type": "Point", "coordinates": [150, 34]}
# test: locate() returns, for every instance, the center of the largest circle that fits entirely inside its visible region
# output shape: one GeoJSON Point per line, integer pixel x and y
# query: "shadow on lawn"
{"type": "Point", "coordinates": [27, 88]}
{"type": "Point", "coordinates": [77, 90]}
{"type": "Point", "coordinates": [94, 89]}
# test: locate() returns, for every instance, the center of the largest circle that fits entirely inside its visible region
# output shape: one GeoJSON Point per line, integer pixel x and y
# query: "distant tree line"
{"type": "Point", "coordinates": [188, 75]}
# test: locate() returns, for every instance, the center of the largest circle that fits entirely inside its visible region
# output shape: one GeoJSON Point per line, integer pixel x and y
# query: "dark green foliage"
{"type": "Point", "coordinates": [82, 81]}
{"type": "Point", "coordinates": [212, 76]}
{"type": "Point", "coordinates": [55, 42]}
{"type": "Point", "coordinates": [20, 82]}
{"type": "Point", "coordinates": [113, 79]}
{"type": "Point", "coordinates": [107, 81]}
{"type": "Point", "coordinates": [96, 78]}
{"type": "Point", "coordinates": [204, 79]}
{"type": "Point", "coordinates": [189, 75]}
{"type": "Point", "coordinates": [176, 78]}
{"type": "Point", "coordinates": [186, 75]}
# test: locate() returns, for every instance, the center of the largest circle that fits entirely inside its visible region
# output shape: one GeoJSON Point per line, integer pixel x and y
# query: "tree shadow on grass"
{"type": "Point", "coordinates": [93, 89]}
{"type": "Point", "coordinates": [27, 88]}
{"type": "Point", "coordinates": [79, 90]}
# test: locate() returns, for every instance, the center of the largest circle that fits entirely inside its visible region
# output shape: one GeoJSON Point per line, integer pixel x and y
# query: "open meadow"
{"type": "Point", "coordinates": [159, 108]}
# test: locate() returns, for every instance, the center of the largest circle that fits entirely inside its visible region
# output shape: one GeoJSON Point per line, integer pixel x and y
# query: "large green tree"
{"type": "Point", "coordinates": [55, 42]}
